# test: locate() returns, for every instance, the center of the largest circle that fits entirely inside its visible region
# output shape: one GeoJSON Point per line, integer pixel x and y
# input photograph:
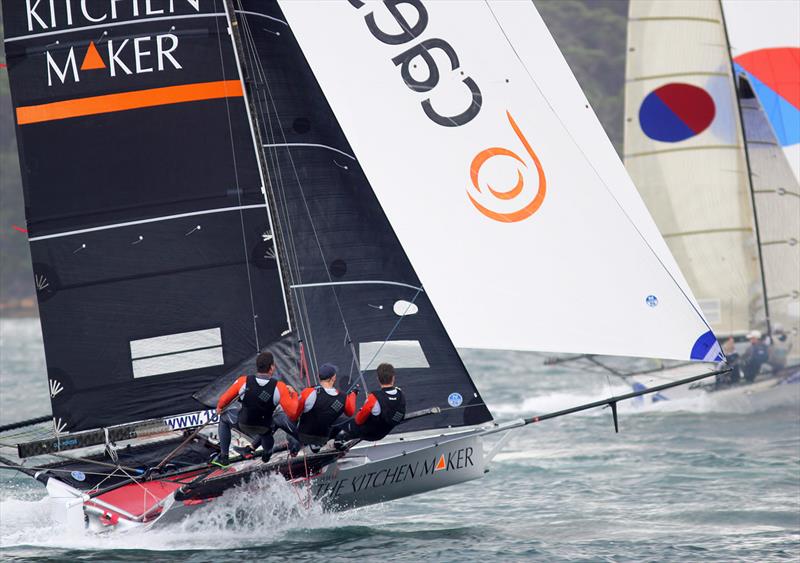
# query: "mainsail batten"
{"type": "Point", "coordinates": [433, 142]}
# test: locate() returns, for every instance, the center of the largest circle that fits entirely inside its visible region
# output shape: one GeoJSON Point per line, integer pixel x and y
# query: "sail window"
{"type": "Point", "coordinates": [403, 308]}
{"type": "Point", "coordinates": [399, 353]}
{"type": "Point", "coordinates": [712, 310]}
{"type": "Point", "coordinates": [176, 352]}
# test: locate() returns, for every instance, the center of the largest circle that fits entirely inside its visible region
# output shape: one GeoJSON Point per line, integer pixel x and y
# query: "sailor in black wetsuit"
{"type": "Point", "coordinates": [754, 357]}
{"type": "Point", "coordinates": [260, 395]}
{"type": "Point", "coordinates": [382, 411]}
{"type": "Point", "coordinates": [320, 406]}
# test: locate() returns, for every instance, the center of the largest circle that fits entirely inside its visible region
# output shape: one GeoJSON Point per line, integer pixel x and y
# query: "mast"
{"type": "Point", "coordinates": [263, 171]}
{"type": "Point", "coordinates": [749, 171]}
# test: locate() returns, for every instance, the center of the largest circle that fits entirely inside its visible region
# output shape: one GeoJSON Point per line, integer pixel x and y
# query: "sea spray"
{"type": "Point", "coordinates": [265, 510]}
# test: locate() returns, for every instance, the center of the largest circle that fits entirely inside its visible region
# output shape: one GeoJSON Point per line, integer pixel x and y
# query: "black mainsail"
{"type": "Point", "coordinates": [154, 255]}
{"type": "Point", "coordinates": [145, 215]}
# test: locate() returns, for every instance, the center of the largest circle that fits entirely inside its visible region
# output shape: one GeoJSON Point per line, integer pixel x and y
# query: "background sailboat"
{"type": "Point", "coordinates": [705, 156]}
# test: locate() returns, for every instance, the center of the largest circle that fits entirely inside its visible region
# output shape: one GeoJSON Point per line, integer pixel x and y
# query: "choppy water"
{"type": "Point", "coordinates": [682, 482]}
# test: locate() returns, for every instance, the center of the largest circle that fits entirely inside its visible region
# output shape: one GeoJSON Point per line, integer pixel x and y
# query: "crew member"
{"type": "Point", "coordinates": [754, 357]}
{"type": "Point", "coordinates": [383, 410]}
{"type": "Point", "coordinates": [260, 395]}
{"type": "Point", "coordinates": [320, 406]}
{"type": "Point", "coordinates": [779, 349]}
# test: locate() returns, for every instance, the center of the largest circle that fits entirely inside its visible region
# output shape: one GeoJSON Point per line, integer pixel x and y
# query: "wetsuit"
{"type": "Point", "coordinates": [752, 360]}
{"type": "Point", "coordinates": [318, 409]}
{"type": "Point", "coordinates": [382, 411]}
{"type": "Point", "coordinates": [260, 395]}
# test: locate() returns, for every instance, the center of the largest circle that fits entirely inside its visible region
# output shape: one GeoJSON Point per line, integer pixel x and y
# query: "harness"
{"type": "Point", "coordinates": [257, 403]}
{"type": "Point", "coordinates": [393, 410]}
{"type": "Point", "coordinates": [318, 421]}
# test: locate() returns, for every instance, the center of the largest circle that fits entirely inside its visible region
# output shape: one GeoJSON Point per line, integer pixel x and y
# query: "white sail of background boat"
{"type": "Point", "coordinates": [705, 156]}
{"type": "Point", "coordinates": [244, 176]}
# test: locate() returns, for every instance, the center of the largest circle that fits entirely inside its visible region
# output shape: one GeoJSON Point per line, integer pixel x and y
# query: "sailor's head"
{"type": "Point", "coordinates": [385, 374]}
{"type": "Point", "coordinates": [754, 336]}
{"type": "Point", "coordinates": [265, 363]}
{"type": "Point", "coordinates": [327, 374]}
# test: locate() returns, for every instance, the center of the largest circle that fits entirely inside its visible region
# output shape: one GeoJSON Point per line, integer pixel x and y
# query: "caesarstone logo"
{"type": "Point", "coordinates": [518, 202]}
{"type": "Point", "coordinates": [419, 54]}
{"type": "Point", "coordinates": [114, 57]}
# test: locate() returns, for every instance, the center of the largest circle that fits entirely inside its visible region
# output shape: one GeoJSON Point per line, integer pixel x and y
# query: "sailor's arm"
{"type": "Point", "coordinates": [231, 393]}
{"type": "Point", "coordinates": [366, 410]}
{"type": "Point", "coordinates": [285, 397]}
{"type": "Point", "coordinates": [350, 404]}
{"type": "Point", "coordinates": [303, 403]}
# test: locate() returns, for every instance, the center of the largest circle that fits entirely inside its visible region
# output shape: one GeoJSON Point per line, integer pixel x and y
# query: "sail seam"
{"type": "Point", "coordinates": [676, 18]}
{"type": "Point", "coordinates": [113, 24]}
{"type": "Point", "coordinates": [143, 221]}
{"type": "Point", "coordinates": [708, 232]}
{"type": "Point", "coordinates": [676, 74]}
{"type": "Point", "coordinates": [249, 13]}
{"type": "Point", "coordinates": [313, 145]}
{"type": "Point", "coordinates": [356, 282]}
{"type": "Point", "coordinates": [683, 149]}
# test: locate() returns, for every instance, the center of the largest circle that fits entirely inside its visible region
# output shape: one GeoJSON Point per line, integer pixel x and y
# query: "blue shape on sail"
{"type": "Point", "coordinates": [707, 349]}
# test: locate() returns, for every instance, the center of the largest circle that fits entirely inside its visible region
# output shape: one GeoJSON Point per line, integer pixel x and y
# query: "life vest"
{"type": "Point", "coordinates": [257, 403]}
{"type": "Point", "coordinates": [318, 421]}
{"type": "Point", "coordinates": [393, 410]}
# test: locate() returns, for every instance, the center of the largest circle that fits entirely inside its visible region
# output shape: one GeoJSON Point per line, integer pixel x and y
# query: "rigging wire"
{"type": "Point", "coordinates": [238, 193]}
{"type": "Point", "coordinates": [268, 91]}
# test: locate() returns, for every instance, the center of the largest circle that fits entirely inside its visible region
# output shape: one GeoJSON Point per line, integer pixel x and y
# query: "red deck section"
{"type": "Point", "coordinates": [138, 498]}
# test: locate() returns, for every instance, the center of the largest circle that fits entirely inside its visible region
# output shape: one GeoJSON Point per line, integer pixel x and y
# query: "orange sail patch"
{"type": "Point", "coordinates": [92, 60]}
{"type": "Point", "coordinates": [129, 100]}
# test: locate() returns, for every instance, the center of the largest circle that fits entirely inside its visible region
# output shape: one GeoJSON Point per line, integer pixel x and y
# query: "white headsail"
{"type": "Point", "coordinates": [508, 197]}
{"type": "Point", "coordinates": [765, 44]}
{"type": "Point", "coordinates": [684, 151]}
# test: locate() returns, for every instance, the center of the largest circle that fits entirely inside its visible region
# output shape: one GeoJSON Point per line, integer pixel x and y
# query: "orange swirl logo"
{"type": "Point", "coordinates": [516, 191]}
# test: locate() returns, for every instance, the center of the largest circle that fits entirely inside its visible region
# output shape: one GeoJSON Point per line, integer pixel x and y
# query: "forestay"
{"type": "Point", "coordinates": [684, 151]}
{"type": "Point", "coordinates": [498, 179]}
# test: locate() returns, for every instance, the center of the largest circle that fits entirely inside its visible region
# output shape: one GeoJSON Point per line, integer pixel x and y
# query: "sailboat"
{"type": "Point", "coordinates": [706, 157]}
{"type": "Point", "coordinates": [208, 180]}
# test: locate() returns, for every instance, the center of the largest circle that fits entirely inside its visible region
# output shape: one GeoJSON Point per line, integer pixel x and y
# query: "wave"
{"type": "Point", "coordinates": [264, 511]}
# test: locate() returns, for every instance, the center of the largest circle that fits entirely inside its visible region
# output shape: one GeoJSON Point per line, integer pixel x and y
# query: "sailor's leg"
{"type": "Point", "coordinates": [282, 421]}
{"type": "Point", "coordinates": [224, 431]}
{"type": "Point", "coordinates": [267, 442]}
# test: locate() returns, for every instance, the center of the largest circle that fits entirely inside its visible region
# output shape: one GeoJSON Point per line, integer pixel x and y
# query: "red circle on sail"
{"type": "Point", "coordinates": [675, 112]}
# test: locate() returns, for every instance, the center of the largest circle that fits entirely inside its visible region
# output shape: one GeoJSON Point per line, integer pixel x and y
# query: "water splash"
{"type": "Point", "coordinates": [264, 511]}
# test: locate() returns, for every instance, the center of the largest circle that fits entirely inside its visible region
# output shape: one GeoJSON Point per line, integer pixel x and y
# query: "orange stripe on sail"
{"type": "Point", "coordinates": [129, 100]}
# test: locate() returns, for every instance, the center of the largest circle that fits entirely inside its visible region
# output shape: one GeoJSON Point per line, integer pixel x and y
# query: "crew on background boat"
{"type": "Point", "coordinates": [382, 411]}
{"type": "Point", "coordinates": [260, 395]}
{"type": "Point", "coordinates": [732, 360]}
{"type": "Point", "coordinates": [754, 357]}
{"type": "Point", "coordinates": [319, 407]}
{"type": "Point", "coordinates": [779, 348]}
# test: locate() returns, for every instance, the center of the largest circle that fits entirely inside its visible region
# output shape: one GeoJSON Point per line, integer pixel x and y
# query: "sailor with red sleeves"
{"type": "Point", "coordinates": [383, 410]}
{"type": "Point", "coordinates": [320, 406]}
{"type": "Point", "coordinates": [260, 395]}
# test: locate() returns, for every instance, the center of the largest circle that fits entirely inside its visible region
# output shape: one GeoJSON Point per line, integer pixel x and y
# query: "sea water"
{"type": "Point", "coordinates": [681, 482]}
